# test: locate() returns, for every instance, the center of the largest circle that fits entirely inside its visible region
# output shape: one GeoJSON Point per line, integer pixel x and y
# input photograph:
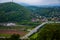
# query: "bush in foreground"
{"type": "Point", "coordinates": [49, 32]}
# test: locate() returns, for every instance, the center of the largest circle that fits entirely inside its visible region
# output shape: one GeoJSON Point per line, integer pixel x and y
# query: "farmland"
{"type": "Point", "coordinates": [21, 29]}
{"type": "Point", "coordinates": [8, 33]}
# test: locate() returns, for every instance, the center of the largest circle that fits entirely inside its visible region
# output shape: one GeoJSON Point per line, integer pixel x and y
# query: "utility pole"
{"type": "Point", "coordinates": [12, 0]}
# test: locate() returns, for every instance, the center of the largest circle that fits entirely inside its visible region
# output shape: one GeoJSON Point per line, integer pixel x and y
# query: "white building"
{"type": "Point", "coordinates": [10, 24]}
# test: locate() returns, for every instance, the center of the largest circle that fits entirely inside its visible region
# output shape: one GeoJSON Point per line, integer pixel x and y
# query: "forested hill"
{"type": "Point", "coordinates": [47, 11]}
{"type": "Point", "coordinates": [13, 12]}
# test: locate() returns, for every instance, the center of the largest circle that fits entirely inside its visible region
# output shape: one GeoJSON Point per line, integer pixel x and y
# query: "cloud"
{"type": "Point", "coordinates": [1, 1]}
{"type": "Point", "coordinates": [35, 2]}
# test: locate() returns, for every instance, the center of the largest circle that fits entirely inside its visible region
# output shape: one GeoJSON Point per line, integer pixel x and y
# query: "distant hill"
{"type": "Point", "coordinates": [47, 11]}
{"type": "Point", "coordinates": [13, 12]}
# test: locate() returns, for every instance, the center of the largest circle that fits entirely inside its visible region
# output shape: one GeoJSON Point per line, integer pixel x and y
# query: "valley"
{"type": "Point", "coordinates": [29, 22]}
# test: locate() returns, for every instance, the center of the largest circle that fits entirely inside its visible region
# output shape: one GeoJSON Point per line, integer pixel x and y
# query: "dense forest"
{"type": "Point", "coordinates": [13, 12]}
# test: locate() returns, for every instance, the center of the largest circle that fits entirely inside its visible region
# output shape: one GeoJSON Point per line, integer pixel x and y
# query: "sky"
{"type": "Point", "coordinates": [34, 2]}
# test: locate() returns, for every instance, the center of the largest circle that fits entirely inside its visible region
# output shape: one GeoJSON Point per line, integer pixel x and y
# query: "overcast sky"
{"type": "Point", "coordinates": [34, 2]}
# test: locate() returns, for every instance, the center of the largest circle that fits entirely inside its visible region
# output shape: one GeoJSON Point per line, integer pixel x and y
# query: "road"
{"type": "Point", "coordinates": [36, 29]}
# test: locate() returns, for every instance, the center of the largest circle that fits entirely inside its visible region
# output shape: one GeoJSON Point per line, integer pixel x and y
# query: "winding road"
{"type": "Point", "coordinates": [36, 29]}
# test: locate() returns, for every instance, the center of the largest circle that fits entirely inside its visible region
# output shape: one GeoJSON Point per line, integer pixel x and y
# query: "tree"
{"type": "Point", "coordinates": [56, 35]}
{"type": "Point", "coordinates": [15, 37]}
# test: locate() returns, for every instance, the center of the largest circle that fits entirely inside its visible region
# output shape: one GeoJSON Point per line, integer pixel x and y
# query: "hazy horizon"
{"type": "Point", "coordinates": [34, 2]}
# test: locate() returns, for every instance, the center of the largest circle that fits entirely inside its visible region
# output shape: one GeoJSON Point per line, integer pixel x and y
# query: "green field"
{"type": "Point", "coordinates": [48, 30]}
{"type": "Point", "coordinates": [14, 27]}
{"type": "Point", "coordinates": [5, 35]}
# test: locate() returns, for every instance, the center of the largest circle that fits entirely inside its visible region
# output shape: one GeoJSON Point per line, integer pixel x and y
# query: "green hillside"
{"type": "Point", "coordinates": [13, 12]}
{"type": "Point", "coordinates": [51, 11]}
{"type": "Point", "coordinates": [48, 32]}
